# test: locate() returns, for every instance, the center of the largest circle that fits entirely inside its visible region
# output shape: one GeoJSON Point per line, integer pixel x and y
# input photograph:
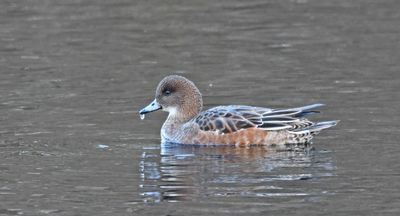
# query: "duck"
{"type": "Point", "coordinates": [237, 125]}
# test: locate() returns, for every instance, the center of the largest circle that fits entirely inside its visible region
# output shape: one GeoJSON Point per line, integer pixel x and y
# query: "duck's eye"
{"type": "Point", "coordinates": [167, 92]}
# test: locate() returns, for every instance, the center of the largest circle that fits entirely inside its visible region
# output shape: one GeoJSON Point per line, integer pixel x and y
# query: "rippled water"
{"type": "Point", "coordinates": [74, 73]}
{"type": "Point", "coordinates": [181, 173]}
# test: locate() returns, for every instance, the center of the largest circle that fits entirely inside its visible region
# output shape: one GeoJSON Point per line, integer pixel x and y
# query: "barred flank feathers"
{"type": "Point", "coordinates": [304, 135]}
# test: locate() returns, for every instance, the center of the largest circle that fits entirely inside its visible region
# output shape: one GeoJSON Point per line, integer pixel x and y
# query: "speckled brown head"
{"type": "Point", "coordinates": [178, 96]}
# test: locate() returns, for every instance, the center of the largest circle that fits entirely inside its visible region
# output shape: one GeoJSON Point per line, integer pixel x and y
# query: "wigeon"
{"type": "Point", "coordinates": [228, 125]}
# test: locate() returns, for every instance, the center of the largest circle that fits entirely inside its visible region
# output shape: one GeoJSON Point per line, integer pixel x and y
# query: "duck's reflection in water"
{"type": "Point", "coordinates": [174, 172]}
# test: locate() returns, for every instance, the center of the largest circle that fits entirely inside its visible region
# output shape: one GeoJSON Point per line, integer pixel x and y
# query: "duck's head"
{"type": "Point", "coordinates": [178, 96]}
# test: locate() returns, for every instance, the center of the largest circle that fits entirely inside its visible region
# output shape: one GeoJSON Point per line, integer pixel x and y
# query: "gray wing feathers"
{"type": "Point", "coordinates": [291, 119]}
{"type": "Point", "coordinates": [226, 119]}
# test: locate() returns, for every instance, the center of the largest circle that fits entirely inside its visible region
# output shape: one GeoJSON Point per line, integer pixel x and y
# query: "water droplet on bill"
{"type": "Point", "coordinates": [142, 116]}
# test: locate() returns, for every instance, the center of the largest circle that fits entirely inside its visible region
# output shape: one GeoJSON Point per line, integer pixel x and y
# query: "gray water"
{"type": "Point", "coordinates": [73, 74]}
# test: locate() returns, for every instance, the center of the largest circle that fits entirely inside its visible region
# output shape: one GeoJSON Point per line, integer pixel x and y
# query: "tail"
{"type": "Point", "coordinates": [322, 125]}
{"type": "Point", "coordinates": [304, 135]}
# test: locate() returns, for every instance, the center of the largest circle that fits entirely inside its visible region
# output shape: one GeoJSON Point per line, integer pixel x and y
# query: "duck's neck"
{"type": "Point", "coordinates": [181, 116]}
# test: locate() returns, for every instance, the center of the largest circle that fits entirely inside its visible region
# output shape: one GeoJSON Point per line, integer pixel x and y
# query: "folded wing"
{"type": "Point", "coordinates": [228, 119]}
